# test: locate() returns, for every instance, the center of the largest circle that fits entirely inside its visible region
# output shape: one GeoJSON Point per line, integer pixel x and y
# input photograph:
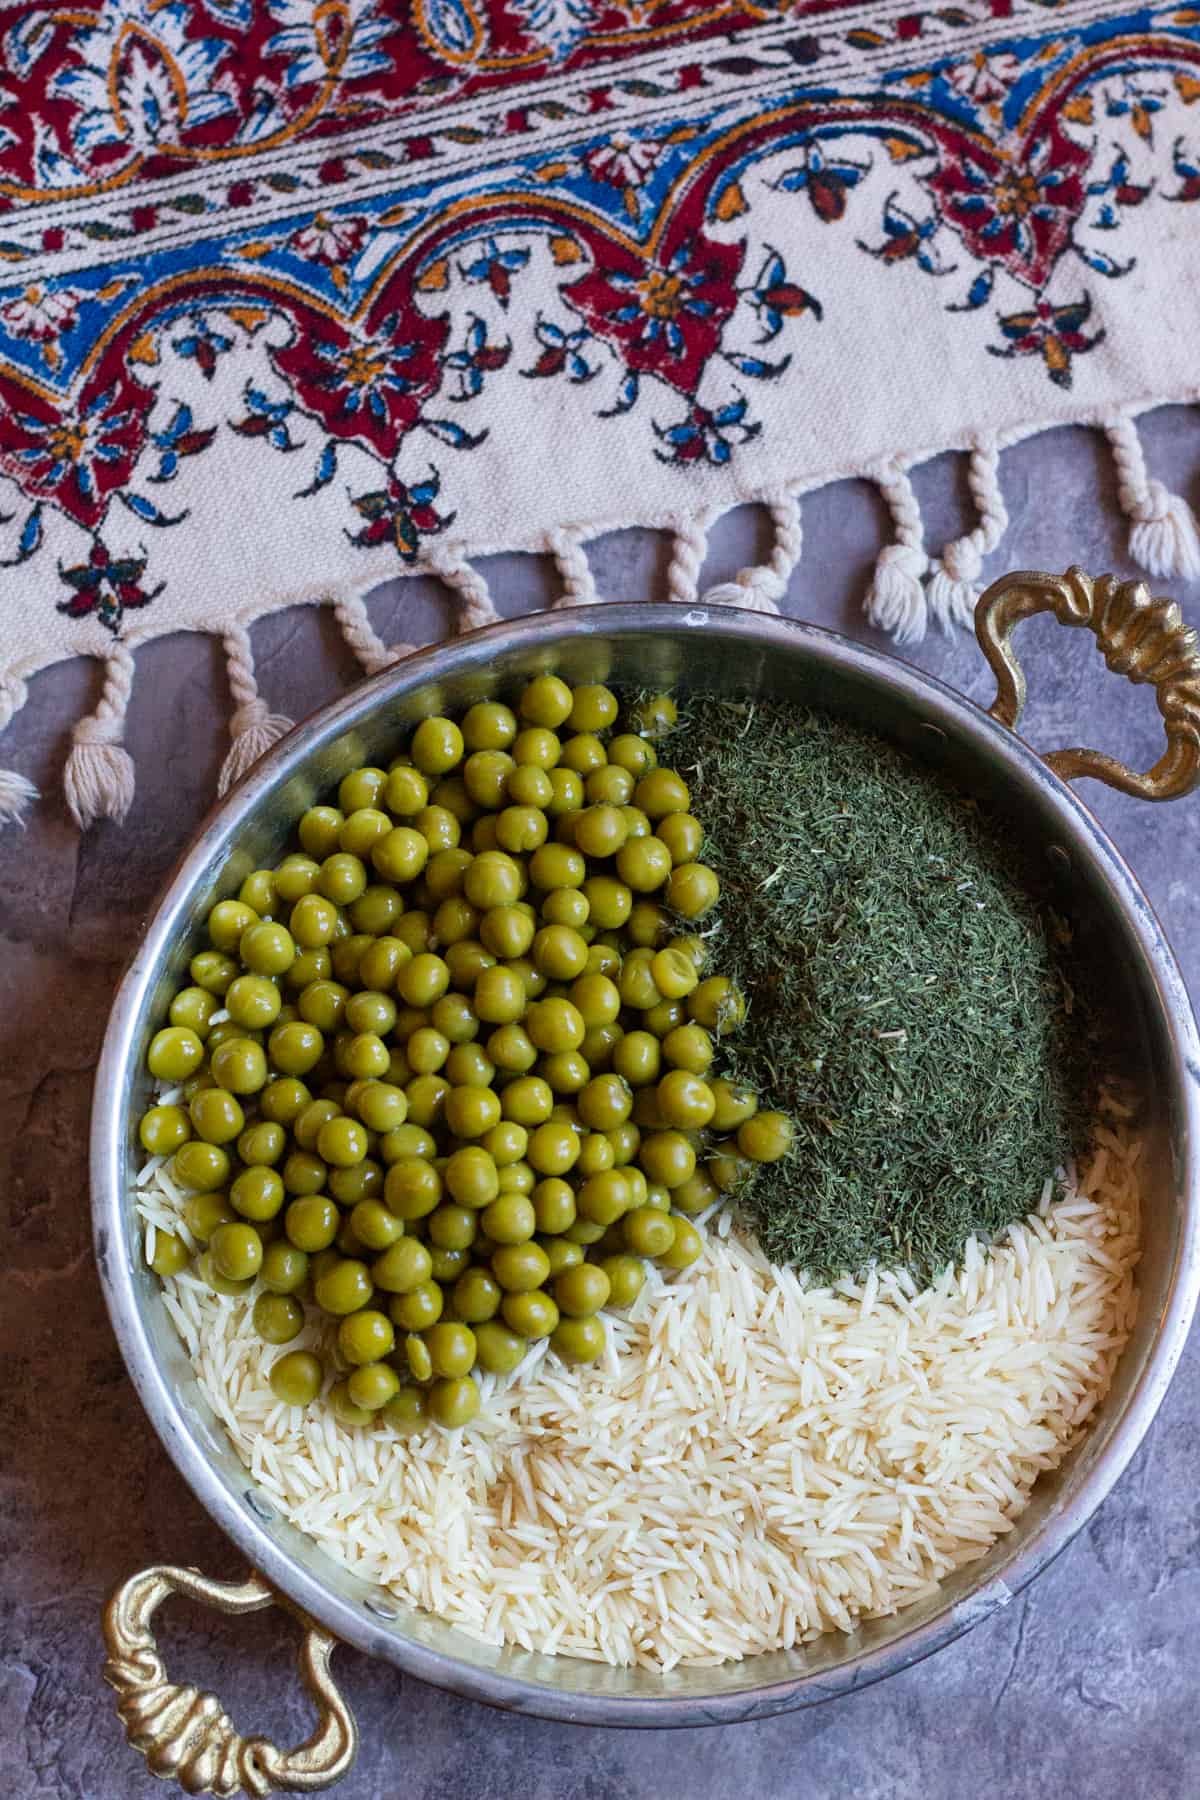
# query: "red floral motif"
{"type": "Point", "coordinates": [399, 515]}
{"type": "Point", "coordinates": [1018, 210]}
{"type": "Point", "coordinates": [666, 312]}
{"type": "Point", "coordinates": [106, 587]}
{"type": "Point", "coordinates": [79, 456]}
{"type": "Point", "coordinates": [368, 385]}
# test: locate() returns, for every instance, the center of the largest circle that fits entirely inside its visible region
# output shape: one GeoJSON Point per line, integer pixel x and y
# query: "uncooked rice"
{"type": "Point", "coordinates": [753, 1462]}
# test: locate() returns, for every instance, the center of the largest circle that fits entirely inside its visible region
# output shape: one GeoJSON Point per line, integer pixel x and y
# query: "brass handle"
{"type": "Point", "coordinates": [1143, 638]}
{"type": "Point", "coordinates": [187, 1735]}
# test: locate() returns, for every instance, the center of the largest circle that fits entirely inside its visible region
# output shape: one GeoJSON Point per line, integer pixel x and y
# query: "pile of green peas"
{"type": "Point", "coordinates": [446, 1071]}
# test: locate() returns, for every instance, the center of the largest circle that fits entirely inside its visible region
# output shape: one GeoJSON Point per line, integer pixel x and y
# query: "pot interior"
{"type": "Point", "coordinates": [727, 653]}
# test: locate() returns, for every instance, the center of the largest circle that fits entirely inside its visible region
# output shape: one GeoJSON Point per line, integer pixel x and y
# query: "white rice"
{"type": "Point", "coordinates": [752, 1464]}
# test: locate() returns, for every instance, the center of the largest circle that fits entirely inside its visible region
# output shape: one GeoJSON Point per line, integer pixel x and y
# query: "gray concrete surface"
{"type": "Point", "coordinates": [1084, 1689]}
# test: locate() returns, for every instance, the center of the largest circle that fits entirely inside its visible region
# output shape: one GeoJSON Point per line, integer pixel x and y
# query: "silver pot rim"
{"type": "Point", "coordinates": [942, 707]}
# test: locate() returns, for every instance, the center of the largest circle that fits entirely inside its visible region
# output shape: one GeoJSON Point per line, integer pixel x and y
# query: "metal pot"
{"type": "Point", "coordinates": [186, 1734]}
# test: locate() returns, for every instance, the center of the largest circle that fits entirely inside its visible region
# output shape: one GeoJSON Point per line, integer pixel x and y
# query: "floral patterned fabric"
{"type": "Point", "coordinates": [293, 294]}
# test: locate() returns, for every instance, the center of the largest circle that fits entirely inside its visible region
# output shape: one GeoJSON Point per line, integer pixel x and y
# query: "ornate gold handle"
{"type": "Point", "coordinates": [1143, 638]}
{"type": "Point", "coordinates": [187, 1735]}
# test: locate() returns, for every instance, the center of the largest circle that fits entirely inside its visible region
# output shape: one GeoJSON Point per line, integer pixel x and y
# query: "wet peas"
{"type": "Point", "coordinates": [463, 1011]}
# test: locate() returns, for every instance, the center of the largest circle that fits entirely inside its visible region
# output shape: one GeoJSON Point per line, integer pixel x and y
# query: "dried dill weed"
{"type": "Point", "coordinates": [913, 1007]}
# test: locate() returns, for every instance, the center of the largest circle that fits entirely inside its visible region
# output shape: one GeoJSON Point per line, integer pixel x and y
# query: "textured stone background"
{"type": "Point", "coordinates": [1085, 1686]}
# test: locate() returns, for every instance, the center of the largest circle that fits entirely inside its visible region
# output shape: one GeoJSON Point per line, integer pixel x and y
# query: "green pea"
{"type": "Point", "coordinates": [313, 921]}
{"type": "Point", "coordinates": [258, 893]}
{"type": "Point", "coordinates": [312, 1222]}
{"type": "Point", "coordinates": [510, 1219]}
{"type": "Point", "coordinates": [530, 1313]}
{"type": "Point", "coordinates": [373, 1386]}
{"type": "Point", "coordinates": [406, 1412]}
{"type": "Point", "coordinates": [447, 1265]}
{"type": "Point", "coordinates": [402, 1267]}
{"type": "Point", "coordinates": [366, 1336]}
{"type": "Point", "coordinates": [451, 1348]}
{"type": "Point", "coordinates": [257, 1193]}
{"type": "Point", "coordinates": [453, 1402]}
{"type": "Point", "coordinates": [581, 1291]}
{"type": "Point", "coordinates": [517, 1178]}
{"type": "Point", "coordinates": [416, 1355]}
{"type": "Point", "coordinates": [342, 1142]}
{"type": "Point", "coordinates": [685, 1247]}
{"type": "Point", "coordinates": [296, 1378]}
{"type": "Point", "coordinates": [452, 1227]}
{"type": "Point", "coordinates": [163, 1129]}
{"type": "Point", "coordinates": [380, 964]}
{"type": "Point", "coordinates": [193, 1008]}
{"type": "Point", "coordinates": [561, 1254]}
{"type": "Point", "coordinates": [345, 1288]}
{"type": "Point", "coordinates": [171, 1254]}
{"type": "Point", "coordinates": [419, 1308]}
{"type": "Point", "coordinates": [200, 1167]}
{"type": "Point", "coordinates": [766, 1137]}
{"type": "Point", "coordinates": [240, 1065]}
{"type": "Point", "coordinates": [295, 877]}
{"type": "Point", "coordinates": [498, 1349]}
{"type": "Point", "coordinates": [604, 1198]}
{"type": "Point", "coordinates": [553, 1205]}
{"type": "Point", "coordinates": [277, 1318]}
{"type": "Point", "coordinates": [268, 949]}
{"type": "Point", "coordinates": [649, 1232]}
{"type": "Point", "coordinates": [626, 1276]}
{"type": "Point", "coordinates": [476, 1295]}
{"type": "Point", "coordinates": [345, 1408]}
{"type": "Point", "coordinates": [209, 1273]}
{"type": "Point", "coordinates": [374, 1225]}
{"type": "Point", "coordinates": [216, 1116]}
{"type": "Point", "coordinates": [262, 1143]}
{"type": "Point", "coordinates": [578, 1340]}
{"type": "Point", "coordinates": [213, 971]}
{"type": "Point", "coordinates": [407, 1141]}
{"type": "Point", "coordinates": [520, 1268]}
{"type": "Point", "coordinates": [512, 1050]}
{"type": "Point", "coordinates": [304, 1173]}
{"type": "Point", "coordinates": [412, 1188]}
{"type": "Point", "coordinates": [226, 923]}
{"type": "Point", "coordinates": [174, 1053]}
{"type": "Point", "coordinates": [202, 1213]}
{"type": "Point", "coordinates": [667, 1158]}
{"type": "Point", "coordinates": [237, 1252]}
{"type": "Point", "coordinates": [283, 1100]}
{"type": "Point", "coordinates": [284, 1268]}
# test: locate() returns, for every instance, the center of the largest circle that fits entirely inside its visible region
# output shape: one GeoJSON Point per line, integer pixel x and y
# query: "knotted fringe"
{"type": "Point", "coordinates": [253, 727]}
{"type": "Point", "coordinates": [761, 587]}
{"type": "Point", "coordinates": [99, 780]}
{"type": "Point", "coordinates": [1163, 539]}
{"type": "Point", "coordinates": [895, 601]}
{"type": "Point", "coordinates": [475, 608]}
{"type": "Point", "coordinates": [17, 792]}
{"type": "Point", "coordinates": [954, 584]}
{"type": "Point", "coordinates": [579, 587]}
{"type": "Point", "coordinates": [362, 637]}
{"type": "Point", "coordinates": [689, 547]}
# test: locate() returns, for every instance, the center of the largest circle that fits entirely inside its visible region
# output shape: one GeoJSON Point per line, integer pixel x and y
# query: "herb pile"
{"type": "Point", "coordinates": [912, 1005]}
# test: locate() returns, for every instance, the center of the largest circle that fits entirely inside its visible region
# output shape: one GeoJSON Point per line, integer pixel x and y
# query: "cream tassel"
{"type": "Point", "coordinates": [688, 550]}
{"type": "Point", "coordinates": [1163, 539]}
{"type": "Point", "coordinates": [954, 584]}
{"type": "Point", "coordinates": [362, 637]}
{"type": "Point", "coordinates": [579, 586]}
{"type": "Point", "coordinates": [17, 792]}
{"type": "Point", "coordinates": [896, 600]}
{"type": "Point", "coordinates": [99, 779]}
{"type": "Point", "coordinates": [475, 608]}
{"type": "Point", "coordinates": [761, 587]}
{"type": "Point", "coordinates": [253, 727]}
